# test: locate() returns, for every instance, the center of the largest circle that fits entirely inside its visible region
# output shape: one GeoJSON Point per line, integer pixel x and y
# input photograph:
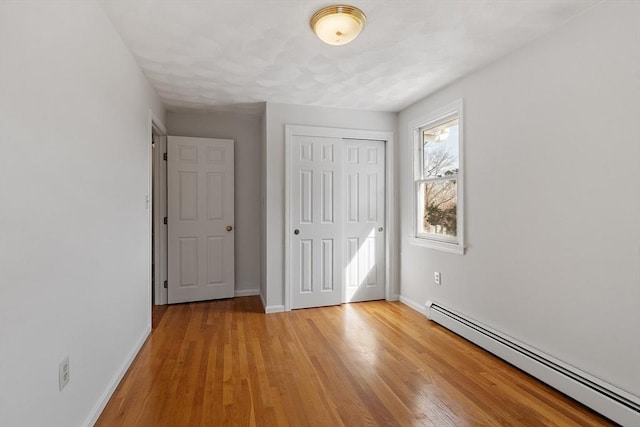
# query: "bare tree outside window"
{"type": "Point", "coordinates": [437, 189]}
{"type": "Point", "coordinates": [439, 212]}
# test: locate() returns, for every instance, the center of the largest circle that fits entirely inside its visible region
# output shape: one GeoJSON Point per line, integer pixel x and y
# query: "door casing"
{"type": "Point", "coordinates": [157, 199]}
{"type": "Point", "coordinates": [391, 293]}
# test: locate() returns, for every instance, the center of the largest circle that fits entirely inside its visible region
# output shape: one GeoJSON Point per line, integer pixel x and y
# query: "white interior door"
{"type": "Point", "coordinates": [200, 187]}
{"type": "Point", "coordinates": [364, 220]}
{"type": "Point", "coordinates": [315, 221]}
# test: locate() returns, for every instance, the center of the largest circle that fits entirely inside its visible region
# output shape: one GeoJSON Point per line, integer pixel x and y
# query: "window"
{"type": "Point", "coordinates": [437, 153]}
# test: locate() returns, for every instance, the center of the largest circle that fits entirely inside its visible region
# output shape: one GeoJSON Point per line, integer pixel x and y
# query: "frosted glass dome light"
{"type": "Point", "coordinates": [338, 25]}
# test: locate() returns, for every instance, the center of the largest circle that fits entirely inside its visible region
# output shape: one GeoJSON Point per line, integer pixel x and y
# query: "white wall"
{"type": "Point", "coordinates": [277, 116]}
{"type": "Point", "coordinates": [244, 129]}
{"type": "Point", "coordinates": [552, 145]}
{"type": "Point", "coordinates": [74, 174]}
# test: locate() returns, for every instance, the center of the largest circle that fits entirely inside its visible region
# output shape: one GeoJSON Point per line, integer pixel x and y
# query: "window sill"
{"type": "Point", "coordinates": [453, 248]}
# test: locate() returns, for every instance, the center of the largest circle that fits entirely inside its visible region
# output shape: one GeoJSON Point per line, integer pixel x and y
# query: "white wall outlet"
{"type": "Point", "coordinates": [63, 373]}
{"type": "Point", "coordinates": [437, 278]}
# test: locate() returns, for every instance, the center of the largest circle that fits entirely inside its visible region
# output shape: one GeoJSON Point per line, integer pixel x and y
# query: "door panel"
{"type": "Point", "coordinates": [200, 189]}
{"type": "Point", "coordinates": [326, 265]}
{"type": "Point", "coordinates": [216, 261]}
{"type": "Point", "coordinates": [316, 213]}
{"type": "Point", "coordinates": [364, 236]}
{"type": "Point", "coordinates": [215, 196]}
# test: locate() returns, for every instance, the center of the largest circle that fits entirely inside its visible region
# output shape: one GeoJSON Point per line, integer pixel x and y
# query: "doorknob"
{"type": "Point", "coordinates": [296, 231]}
{"type": "Point", "coordinates": [229, 227]}
{"type": "Point", "coordinates": [380, 229]}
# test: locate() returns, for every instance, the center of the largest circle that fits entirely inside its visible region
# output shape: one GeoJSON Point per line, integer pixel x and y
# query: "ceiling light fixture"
{"type": "Point", "coordinates": [338, 25]}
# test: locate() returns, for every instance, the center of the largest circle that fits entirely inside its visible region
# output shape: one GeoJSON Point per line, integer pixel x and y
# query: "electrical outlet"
{"type": "Point", "coordinates": [437, 278]}
{"type": "Point", "coordinates": [63, 373]}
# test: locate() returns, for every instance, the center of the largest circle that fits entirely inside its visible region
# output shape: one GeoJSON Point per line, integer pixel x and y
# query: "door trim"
{"type": "Point", "coordinates": [391, 291]}
{"type": "Point", "coordinates": [157, 128]}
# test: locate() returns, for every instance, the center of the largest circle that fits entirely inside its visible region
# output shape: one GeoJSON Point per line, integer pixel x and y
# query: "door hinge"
{"type": "Point", "coordinates": [166, 284]}
{"type": "Point", "coordinates": [166, 220]}
{"type": "Point", "coordinates": [164, 156]}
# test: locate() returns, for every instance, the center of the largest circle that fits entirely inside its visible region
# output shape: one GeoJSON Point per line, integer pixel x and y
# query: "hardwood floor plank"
{"type": "Point", "coordinates": [378, 363]}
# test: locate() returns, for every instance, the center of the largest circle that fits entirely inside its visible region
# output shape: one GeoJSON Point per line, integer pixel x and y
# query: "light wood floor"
{"type": "Point", "coordinates": [378, 363]}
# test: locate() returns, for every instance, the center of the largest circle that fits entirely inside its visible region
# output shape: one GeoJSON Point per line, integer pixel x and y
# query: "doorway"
{"type": "Point", "coordinates": [192, 229]}
{"type": "Point", "coordinates": [200, 210]}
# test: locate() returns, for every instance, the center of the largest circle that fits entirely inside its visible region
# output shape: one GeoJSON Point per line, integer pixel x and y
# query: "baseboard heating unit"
{"type": "Point", "coordinates": [613, 403]}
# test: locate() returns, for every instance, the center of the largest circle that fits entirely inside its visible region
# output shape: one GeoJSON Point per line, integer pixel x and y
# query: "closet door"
{"type": "Point", "coordinates": [364, 235]}
{"type": "Point", "coordinates": [316, 221]}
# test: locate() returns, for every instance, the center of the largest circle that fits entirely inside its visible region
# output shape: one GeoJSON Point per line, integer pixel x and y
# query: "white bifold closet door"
{"type": "Point", "coordinates": [200, 197]}
{"type": "Point", "coordinates": [337, 249]}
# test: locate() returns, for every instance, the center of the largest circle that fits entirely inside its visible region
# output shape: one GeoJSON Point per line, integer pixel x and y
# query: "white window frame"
{"type": "Point", "coordinates": [454, 245]}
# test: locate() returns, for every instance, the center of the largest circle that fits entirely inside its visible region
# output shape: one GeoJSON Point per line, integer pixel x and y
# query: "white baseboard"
{"type": "Point", "coordinates": [612, 402]}
{"type": "Point", "coordinates": [104, 399]}
{"type": "Point", "coordinates": [246, 292]}
{"type": "Point", "coordinates": [271, 308]}
{"type": "Point", "coordinates": [274, 309]}
{"type": "Point", "coordinates": [264, 305]}
{"type": "Point", "coordinates": [420, 308]}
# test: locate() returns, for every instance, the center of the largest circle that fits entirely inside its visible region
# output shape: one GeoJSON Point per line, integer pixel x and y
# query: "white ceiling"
{"type": "Point", "coordinates": [221, 54]}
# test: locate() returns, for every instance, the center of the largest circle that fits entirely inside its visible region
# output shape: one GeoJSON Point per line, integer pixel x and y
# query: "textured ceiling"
{"type": "Point", "coordinates": [215, 54]}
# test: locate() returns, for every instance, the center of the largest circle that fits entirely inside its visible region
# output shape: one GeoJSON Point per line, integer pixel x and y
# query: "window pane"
{"type": "Point", "coordinates": [440, 150]}
{"type": "Point", "coordinates": [438, 210]}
